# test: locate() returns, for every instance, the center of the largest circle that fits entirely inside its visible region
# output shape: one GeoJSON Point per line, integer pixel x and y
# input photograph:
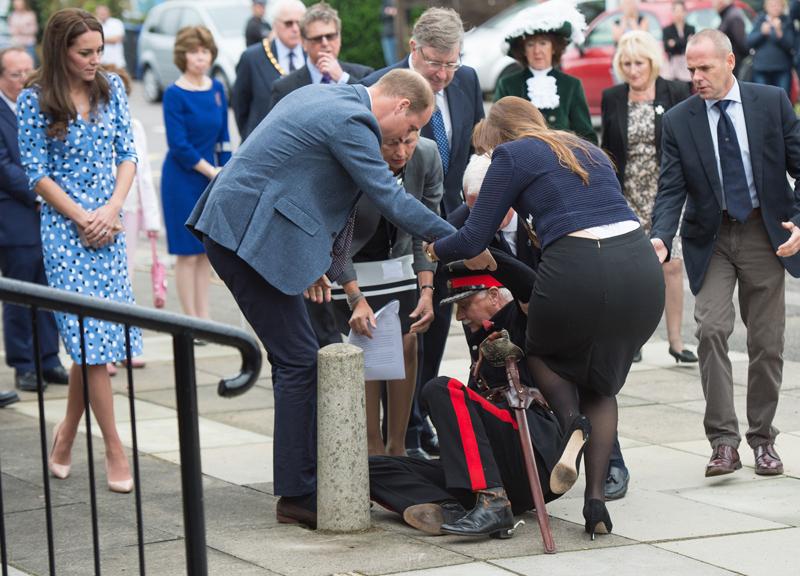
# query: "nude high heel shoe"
{"type": "Point", "coordinates": [119, 486]}
{"type": "Point", "coordinates": [60, 471]}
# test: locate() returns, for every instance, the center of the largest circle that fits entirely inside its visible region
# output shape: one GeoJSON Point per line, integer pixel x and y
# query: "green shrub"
{"type": "Point", "coordinates": [361, 31]}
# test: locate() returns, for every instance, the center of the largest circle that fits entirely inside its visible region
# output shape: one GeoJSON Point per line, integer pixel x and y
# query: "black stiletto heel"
{"type": "Point", "coordinates": [597, 519]}
{"type": "Point", "coordinates": [565, 472]}
{"type": "Point", "coordinates": [685, 356]}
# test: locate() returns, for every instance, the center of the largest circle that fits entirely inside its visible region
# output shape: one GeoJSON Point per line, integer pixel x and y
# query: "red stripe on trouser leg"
{"type": "Point", "coordinates": [499, 413]}
{"type": "Point", "coordinates": [472, 455]}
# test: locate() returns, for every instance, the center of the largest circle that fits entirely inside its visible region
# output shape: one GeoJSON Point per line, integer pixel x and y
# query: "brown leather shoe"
{"type": "Point", "coordinates": [724, 460]}
{"type": "Point", "coordinates": [768, 463]}
{"type": "Point", "coordinates": [297, 510]}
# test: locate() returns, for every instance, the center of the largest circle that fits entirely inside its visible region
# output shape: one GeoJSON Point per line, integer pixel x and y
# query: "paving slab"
{"type": "Point", "coordinates": [294, 550]}
{"type": "Point", "coordinates": [769, 553]}
{"type": "Point", "coordinates": [210, 402]}
{"type": "Point", "coordinates": [260, 421]}
{"type": "Point", "coordinates": [471, 569]}
{"type": "Point", "coordinates": [161, 435]}
{"type": "Point", "coordinates": [56, 408]}
{"type": "Point", "coordinates": [665, 385]}
{"type": "Point", "coordinates": [658, 423]}
{"type": "Point", "coordinates": [247, 464]}
{"type": "Point", "coordinates": [622, 561]}
{"type": "Point", "coordinates": [648, 516]}
{"type": "Point", "coordinates": [774, 498]}
{"type": "Point", "coordinates": [787, 416]}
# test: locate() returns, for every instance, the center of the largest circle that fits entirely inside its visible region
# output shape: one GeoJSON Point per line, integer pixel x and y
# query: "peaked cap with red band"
{"type": "Point", "coordinates": [463, 282]}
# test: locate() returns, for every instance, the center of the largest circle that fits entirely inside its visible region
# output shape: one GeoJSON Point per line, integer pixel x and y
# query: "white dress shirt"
{"type": "Point", "coordinates": [736, 114]}
{"type": "Point", "coordinates": [441, 104]}
{"type": "Point", "coordinates": [283, 55]}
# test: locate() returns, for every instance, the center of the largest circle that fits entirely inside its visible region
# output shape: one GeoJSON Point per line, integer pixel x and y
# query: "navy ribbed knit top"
{"type": "Point", "coordinates": [525, 174]}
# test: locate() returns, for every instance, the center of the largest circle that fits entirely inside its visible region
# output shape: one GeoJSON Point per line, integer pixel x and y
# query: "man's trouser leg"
{"type": "Point", "coordinates": [282, 324]}
{"type": "Point", "coordinates": [397, 482]}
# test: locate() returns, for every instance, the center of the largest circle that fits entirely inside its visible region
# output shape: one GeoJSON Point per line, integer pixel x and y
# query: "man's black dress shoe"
{"type": "Point", "coordinates": [298, 510]}
{"type": "Point", "coordinates": [430, 517]}
{"type": "Point", "coordinates": [491, 516]}
{"type": "Point", "coordinates": [26, 381]}
{"type": "Point", "coordinates": [616, 483]}
{"type": "Point", "coordinates": [57, 375]}
{"type": "Point", "coordinates": [8, 397]}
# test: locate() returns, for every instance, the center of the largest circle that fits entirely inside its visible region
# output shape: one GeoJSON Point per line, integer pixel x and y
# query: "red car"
{"type": "Point", "coordinates": [591, 62]}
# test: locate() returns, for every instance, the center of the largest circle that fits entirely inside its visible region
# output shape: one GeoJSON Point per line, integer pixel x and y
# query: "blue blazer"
{"type": "Point", "coordinates": [19, 218]}
{"type": "Point", "coordinates": [286, 194]}
{"type": "Point", "coordinates": [689, 173]}
{"type": "Point", "coordinates": [465, 100]}
{"type": "Point", "coordinates": [252, 91]}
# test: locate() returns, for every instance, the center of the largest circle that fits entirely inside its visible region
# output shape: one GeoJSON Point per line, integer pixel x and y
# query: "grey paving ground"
{"type": "Point", "coordinates": [673, 521]}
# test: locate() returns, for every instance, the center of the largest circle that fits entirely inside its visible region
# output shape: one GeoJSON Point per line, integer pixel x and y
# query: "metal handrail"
{"type": "Point", "coordinates": [184, 331]}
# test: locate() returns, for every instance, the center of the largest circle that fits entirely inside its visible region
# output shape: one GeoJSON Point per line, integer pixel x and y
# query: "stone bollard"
{"type": "Point", "coordinates": [342, 470]}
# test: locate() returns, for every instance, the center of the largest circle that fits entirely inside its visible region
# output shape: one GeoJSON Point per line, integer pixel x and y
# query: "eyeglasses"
{"type": "Point", "coordinates": [18, 75]}
{"type": "Point", "coordinates": [318, 39]}
{"type": "Point", "coordinates": [437, 65]}
{"type": "Point", "coordinates": [290, 23]}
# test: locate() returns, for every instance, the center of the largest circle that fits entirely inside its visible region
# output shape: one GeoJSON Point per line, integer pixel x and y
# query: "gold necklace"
{"type": "Point", "coordinates": [271, 57]}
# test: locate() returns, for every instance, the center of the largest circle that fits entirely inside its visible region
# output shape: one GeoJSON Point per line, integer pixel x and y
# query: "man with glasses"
{"type": "Point", "coordinates": [20, 241]}
{"type": "Point", "coordinates": [321, 30]}
{"type": "Point", "coordinates": [435, 48]}
{"type": "Point", "coordinates": [265, 62]}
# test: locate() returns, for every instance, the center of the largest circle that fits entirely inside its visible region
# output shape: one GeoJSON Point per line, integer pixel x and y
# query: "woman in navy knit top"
{"type": "Point", "coordinates": [599, 290]}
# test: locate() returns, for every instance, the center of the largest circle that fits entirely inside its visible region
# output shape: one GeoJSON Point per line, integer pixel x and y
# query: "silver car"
{"type": "Point", "coordinates": [226, 19]}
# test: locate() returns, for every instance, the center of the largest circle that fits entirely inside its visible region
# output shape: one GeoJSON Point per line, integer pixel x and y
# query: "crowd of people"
{"type": "Point", "coordinates": [354, 186]}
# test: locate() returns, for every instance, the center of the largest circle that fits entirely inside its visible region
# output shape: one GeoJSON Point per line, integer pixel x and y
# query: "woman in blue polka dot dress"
{"type": "Point", "coordinates": [74, 126]}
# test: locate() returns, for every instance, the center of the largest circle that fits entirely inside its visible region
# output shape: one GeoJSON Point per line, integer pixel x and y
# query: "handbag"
{"type": "Point", "coordinates": [158, 277]}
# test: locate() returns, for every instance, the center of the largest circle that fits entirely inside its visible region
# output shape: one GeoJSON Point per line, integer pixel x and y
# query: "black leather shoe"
{"type": "Point", "coordinates": [297, 510]}
{"type": "Point", "coordinates": [57, 375]}
{"type": "Point", "coordinates": [430, 517]}
{"type": "Point", "coordinates": [597, 519]}
{"type": "Point", "coordinates": [26, 381]}
{"type": "Point", "coordinates": [8, 397]}
{"type": "Point", "coordinates": [616, 483]}
{"type": "Point", "coordinates": [685, 356]}
{"type": "Point", "coordinates": [418, 453]}
{"type": "Point", "coordinates": [491, 516]}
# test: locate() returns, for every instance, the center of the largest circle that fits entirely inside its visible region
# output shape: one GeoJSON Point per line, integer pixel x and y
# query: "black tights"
{"type": "Point", "coordinates": [562, 395]}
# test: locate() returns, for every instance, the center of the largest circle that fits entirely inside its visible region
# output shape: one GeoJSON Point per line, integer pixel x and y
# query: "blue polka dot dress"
{"type": "Point", "coordinates": [82, 164]}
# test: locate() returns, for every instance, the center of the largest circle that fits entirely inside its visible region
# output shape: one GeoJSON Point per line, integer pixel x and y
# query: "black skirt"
{"type": "Point", "coordinates": [594, 304]}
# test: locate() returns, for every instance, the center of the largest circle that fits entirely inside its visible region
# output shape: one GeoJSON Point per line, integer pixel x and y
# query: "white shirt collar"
{"type": "Point", "coordinates": [544, 72]}
{"type": "Point", "coordinates": [733, 94]}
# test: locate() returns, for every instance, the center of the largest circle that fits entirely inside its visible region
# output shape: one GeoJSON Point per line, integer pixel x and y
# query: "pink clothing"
{"type": "Point", "coordinates": [23, 28]}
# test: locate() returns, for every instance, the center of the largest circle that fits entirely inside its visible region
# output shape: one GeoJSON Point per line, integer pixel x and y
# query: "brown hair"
{"type": "Point", "coordinates": [512, 118]}
{"type": "Point", "coordinates": [405, 83]}
{"type": "Point", "coordinates": [52, 78]}
{"type": "Point", "coordinates": [191, 38]}
{"type": "Point", "coordinates": [517, 47]}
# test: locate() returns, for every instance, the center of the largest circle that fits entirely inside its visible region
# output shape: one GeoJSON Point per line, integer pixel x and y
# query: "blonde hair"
{"type": "Point", "coordinates": [638, 44]}
{"type": "Point", "coordinates": [512, 118]}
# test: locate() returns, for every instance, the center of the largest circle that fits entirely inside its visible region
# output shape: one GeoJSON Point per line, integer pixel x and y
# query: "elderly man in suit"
{"type": "Point", "coordinates": [321, 30]}
{"type": "Point", "coordinates": [725, 153]}
{"type": "Point", "coordinates": [264, 62]}
{"type": "Point", "coordinates": [20, 240]}
{"type": "Point", "coordinates": [281, 214]}
{"type": "Point", "coordinates": [435, 49]}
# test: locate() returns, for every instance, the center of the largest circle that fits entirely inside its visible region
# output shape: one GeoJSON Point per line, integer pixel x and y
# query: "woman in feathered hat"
{"type": "Point", "coordinates": [536, 39]}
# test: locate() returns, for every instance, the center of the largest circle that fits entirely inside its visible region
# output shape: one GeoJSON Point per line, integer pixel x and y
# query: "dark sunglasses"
{"type": "Point", "coordinates": [318, 39]}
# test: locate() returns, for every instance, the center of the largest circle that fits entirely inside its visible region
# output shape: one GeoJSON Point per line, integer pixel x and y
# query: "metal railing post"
{"type": "Point", "coordinates": [191, 471]}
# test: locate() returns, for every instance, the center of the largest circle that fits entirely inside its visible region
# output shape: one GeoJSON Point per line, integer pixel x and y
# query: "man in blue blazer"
{"type": "Point", "coordinates": [725, 153]}
{"type": "Point", "coordinates": [264, 62]}
{"type": "Point", "coordinates": [435, 52]}
{"type": "Point", "coordinates": [20, 240]}
{"type": "Point", "coordinates": [277, 221]}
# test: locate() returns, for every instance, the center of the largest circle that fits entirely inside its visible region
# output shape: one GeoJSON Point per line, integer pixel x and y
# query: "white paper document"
{"type": "Point", "coordinates": [383, 353]}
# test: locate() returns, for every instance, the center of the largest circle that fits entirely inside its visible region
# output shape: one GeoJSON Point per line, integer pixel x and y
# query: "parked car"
{"type": "Point", "coordinates": [591, 62]}
{"type": "Point", "coordinates": [483, 45]}
{"type": "Point", "coordinates": [226, 19]}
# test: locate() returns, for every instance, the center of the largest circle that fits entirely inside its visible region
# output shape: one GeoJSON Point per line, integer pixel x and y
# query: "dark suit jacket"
{"type": "Point", "coordinates": [614, 139]}
{"type": "Point", "coordinates": [302, 77]}
{"type": "Point", "coordinates": [465, 100]}
{"type": "Point", "coordinates": [19, 218]}
{"type": "Point", "coordinates": [689, 174]}
{"type": "Point", "coordinates": [250, 96]}
{"type": "Point", "coordinates": [671, 33]}
{"type": "Point", "coordinates": [572, 112]}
